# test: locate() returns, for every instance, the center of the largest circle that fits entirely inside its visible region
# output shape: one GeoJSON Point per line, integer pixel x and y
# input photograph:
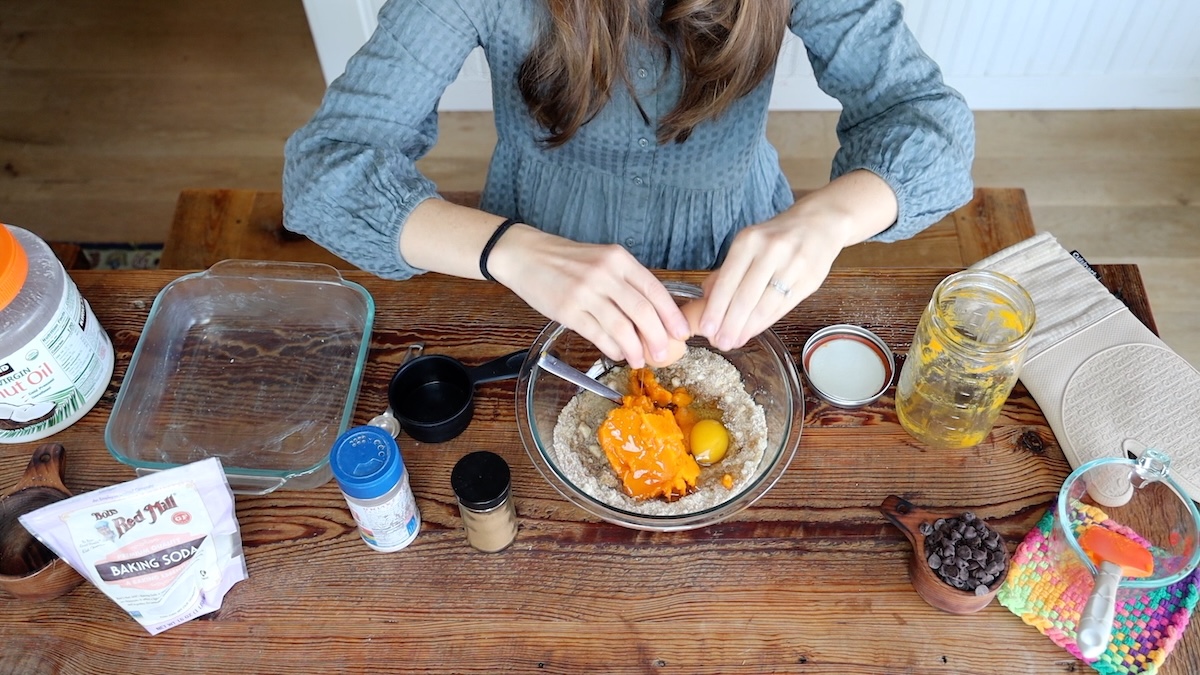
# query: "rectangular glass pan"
{"type": "Point", "coordinates": [257, 363]}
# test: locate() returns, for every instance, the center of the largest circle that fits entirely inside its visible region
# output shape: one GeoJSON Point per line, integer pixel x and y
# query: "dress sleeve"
{"type": "Point", "coordinates": [899, 119]}
{"type": "Point", "coordinates": [350, 179]}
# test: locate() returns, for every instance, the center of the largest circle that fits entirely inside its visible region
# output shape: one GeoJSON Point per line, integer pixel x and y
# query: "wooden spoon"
{"type": "Point", "coordinates": [29, 570]}
{"type": "Point", "coordinates": [939, 594]}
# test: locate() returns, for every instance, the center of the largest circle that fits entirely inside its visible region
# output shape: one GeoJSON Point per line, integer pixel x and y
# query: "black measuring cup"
{"type": "Point", "coordinates": [433, 396]}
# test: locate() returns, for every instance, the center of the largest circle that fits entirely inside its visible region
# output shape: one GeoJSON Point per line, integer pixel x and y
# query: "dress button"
{"type": "Point", "coordinates": [637, 180]}
{"type": "Point", "coordinates": [630, 242]}
{"type": "Point", "coordinates": [642, 73]}
{"type": "Point", "coordinates": [643, 142]}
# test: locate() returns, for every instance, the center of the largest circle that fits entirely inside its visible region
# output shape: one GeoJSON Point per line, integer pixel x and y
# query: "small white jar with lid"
{"type": "Point", "coordinates": [367, 465]}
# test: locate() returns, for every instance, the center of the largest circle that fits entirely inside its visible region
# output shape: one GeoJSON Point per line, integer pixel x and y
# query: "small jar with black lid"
{"type": "Point", "coordinates": [482, 484]}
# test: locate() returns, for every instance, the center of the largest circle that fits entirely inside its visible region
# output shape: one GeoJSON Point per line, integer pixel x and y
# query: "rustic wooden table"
{"type": "Point", "coordinates": [215, 224]}
{"type": "Point", "coordinates": [810, 579]}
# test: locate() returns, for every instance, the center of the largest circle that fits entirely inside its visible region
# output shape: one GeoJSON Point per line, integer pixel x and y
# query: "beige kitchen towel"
{"type": "Point", "coordinates": [1107, 385]}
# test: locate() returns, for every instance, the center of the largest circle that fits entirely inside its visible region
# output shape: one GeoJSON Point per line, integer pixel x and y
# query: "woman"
{"type": "Point", "coordinates": [631, 136]}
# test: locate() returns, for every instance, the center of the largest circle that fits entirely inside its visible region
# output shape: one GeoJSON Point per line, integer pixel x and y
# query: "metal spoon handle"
{"type": "Point", "coordinates": [387, 419]}
{"type": "Point", "coordinates": [552, 365]}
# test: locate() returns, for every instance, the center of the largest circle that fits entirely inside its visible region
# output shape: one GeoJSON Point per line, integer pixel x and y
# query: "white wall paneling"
{"type": "Point", "coordinates": [340, 27]}
{"type": "Point", "coordinates": [1001, 54]}
{"type": "Point", "coordinates": [1063, 54]}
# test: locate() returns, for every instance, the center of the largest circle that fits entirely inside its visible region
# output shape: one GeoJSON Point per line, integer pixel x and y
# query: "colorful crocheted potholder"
{"type": "Point", "coordinates": [1050, 598]}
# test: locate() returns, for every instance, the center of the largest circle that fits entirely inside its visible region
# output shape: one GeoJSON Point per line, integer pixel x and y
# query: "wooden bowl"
{"type": "Point", "coordinates": [29, 570]}
{"type": "Point", "coordinates": [908, 517]}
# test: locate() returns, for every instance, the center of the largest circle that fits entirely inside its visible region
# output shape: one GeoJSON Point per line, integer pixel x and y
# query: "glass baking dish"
{"type": "Point", "coordinates": [257, 363]}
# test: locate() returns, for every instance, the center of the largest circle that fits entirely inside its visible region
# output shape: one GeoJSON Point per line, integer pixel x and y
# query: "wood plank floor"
{"type": "Point", "coordinates": [109, 109]}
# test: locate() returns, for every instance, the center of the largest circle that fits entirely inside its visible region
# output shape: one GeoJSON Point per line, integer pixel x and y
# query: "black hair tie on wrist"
{"type": "Point", "coordinates": [491, 243]}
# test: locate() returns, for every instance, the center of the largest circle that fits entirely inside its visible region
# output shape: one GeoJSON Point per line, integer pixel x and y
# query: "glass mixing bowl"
{"type": "Point", "coordinates": [767, 372]}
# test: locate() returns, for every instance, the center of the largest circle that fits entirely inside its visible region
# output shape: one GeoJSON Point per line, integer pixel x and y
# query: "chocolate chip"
{"type": "Point", "coordinates": [964, 552]}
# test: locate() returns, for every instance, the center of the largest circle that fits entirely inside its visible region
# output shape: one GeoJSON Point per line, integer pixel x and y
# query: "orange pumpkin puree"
{"type": "Point", "coordinates": [646, 443]}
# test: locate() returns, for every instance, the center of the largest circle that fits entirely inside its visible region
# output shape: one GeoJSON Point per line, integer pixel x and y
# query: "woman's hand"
{"type": "Point", "coordinates": [774, 265]}
{"type": "Point", "coordinates": [600, 291]}
{"type": "Point", "coordinates": [769, 269]}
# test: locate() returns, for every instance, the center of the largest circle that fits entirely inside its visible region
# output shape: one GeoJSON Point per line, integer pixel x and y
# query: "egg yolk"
{"type": "Point", "coordinates": [709, 442]}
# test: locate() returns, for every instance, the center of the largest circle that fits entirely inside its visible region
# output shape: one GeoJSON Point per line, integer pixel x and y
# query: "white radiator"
{"type": "Point", "coordinates": [1001, 54]}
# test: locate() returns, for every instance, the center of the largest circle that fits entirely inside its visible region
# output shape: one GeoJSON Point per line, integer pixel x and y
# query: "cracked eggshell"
{"type": "Point", "coordinates": [692, 311]}
{"type": "Point", "coordinates": [677, 348]}
{"type": "Point", "coordinates": [675, 351]}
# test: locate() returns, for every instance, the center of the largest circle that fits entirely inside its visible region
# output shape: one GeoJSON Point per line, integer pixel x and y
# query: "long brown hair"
{"type": "Point", "coordinates": [725, 49]}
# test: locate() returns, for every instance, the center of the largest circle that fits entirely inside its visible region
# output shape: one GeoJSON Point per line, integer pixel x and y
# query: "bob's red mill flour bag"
{"type": "Point", "coordinates": [165, 547]}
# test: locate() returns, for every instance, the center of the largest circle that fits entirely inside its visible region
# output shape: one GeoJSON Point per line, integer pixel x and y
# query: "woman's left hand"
{"type": "Point", "coordinates": [769, 269]}
{"type": "Point", "coordinates": [775, 264]}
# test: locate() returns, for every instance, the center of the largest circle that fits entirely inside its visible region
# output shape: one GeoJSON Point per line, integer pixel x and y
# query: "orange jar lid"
{"type": "Point", "coordinates": [14, 266]}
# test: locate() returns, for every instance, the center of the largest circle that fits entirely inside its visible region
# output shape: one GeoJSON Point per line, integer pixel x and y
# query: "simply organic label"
{"type": "Point", "coordinates": [54, 378]}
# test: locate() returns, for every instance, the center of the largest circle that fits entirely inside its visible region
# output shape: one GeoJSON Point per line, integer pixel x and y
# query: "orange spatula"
{"type": "Point", "coordinates": [1105, 545]}
{"type": "Point", "coordinates": [1115, 556]}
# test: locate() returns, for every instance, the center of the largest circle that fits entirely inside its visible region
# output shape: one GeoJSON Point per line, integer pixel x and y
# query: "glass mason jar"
{"type": "Point", "coordinates": [965, 358]}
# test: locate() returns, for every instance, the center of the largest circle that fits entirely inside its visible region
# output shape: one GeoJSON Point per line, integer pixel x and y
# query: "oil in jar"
{"type": "Point", "coordinates": [965, 359]}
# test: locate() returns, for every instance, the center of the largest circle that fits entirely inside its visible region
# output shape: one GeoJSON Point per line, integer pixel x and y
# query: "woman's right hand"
{"type": "Point", "coordinates": [600, 291]}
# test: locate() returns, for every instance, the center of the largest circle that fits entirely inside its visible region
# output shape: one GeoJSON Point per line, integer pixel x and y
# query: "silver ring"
{"type": "Point", "coordinates": [778, 285]}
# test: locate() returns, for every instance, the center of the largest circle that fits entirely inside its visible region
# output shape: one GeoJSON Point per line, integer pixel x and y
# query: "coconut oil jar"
{"type": "Point", "coordinates": [55, 359]}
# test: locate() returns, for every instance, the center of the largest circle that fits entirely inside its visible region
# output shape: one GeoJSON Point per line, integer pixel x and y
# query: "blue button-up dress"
{"type": "Point", "coordinates": [350, 178]}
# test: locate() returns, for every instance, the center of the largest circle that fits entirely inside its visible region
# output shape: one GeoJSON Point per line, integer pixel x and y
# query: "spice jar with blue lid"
{"type": "Point", "coordinates": [367, 465]}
